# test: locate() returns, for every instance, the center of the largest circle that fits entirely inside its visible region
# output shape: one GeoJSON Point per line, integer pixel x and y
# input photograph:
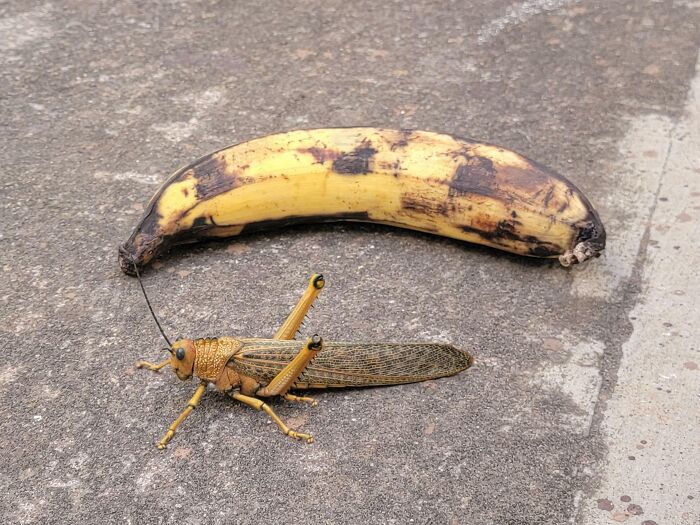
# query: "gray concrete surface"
{"type": "Point", "coordinates": [577, 371]}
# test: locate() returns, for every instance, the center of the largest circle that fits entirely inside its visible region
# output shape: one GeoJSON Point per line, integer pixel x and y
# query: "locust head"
{"type": "Point", "coordinates": [182, 354]}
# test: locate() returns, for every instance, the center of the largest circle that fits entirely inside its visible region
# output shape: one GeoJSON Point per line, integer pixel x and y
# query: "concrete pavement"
{"type": "Point", "coordinates": [576, 371]}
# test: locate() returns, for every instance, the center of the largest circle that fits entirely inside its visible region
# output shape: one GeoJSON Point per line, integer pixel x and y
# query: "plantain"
{"type": "Point", "coordinates": [421, 180]}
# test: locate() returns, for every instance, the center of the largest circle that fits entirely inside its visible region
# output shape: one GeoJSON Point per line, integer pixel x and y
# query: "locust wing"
{"type": "Point", "coordinates": [351, 364]}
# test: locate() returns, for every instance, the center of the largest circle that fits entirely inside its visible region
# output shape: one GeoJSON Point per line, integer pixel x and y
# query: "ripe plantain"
{"type": "Point", "coordinates": [420, 180]}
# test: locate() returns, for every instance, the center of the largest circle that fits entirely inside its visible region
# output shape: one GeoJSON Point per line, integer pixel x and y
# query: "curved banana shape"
{"type": "Point", "coordinates": [420, 180]}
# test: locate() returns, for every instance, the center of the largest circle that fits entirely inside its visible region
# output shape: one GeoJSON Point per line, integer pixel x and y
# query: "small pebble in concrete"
{"type": "Point", "coordinates": [605, 504]}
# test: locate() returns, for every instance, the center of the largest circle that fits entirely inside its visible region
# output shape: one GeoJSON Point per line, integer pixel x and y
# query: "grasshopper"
{"type": "Point", "coordinates": [247, 369]}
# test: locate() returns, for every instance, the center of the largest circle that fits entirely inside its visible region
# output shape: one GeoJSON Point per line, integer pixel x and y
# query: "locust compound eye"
{"type": "Point", "coordinates": [180, 353]}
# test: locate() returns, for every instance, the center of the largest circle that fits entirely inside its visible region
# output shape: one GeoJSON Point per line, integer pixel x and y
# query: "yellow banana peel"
{"type": "Point", "coordinates": [420, 180]}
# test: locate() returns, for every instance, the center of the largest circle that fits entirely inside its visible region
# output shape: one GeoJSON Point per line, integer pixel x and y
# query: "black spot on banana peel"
{"type": "Point", "coordinates": [212, 178]}
{"type": "Point", "coordinates": [475, 175]}
{"type": "Point", "coordinates": [420, 180]}
{"type": "Point", "coordinates": [357, 162]}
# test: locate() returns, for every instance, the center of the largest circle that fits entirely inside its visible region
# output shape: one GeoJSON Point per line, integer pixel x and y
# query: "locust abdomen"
{"type": "Point", "coordinates": [420, 180]}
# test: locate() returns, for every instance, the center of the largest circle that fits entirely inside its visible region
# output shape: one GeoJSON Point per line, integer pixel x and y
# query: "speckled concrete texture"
{"type": "Point", "coordinates": [100, 101]}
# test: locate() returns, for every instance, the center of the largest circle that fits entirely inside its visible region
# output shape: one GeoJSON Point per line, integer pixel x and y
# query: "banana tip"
{"type": "Point", "coordinates": [581, 253]}
{"type": "Point", "coordinates": [126, 261]}
{"type": "Point", "coordinates": [590, 242]}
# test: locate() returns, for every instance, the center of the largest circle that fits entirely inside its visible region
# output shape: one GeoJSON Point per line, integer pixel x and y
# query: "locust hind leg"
{"type": "Point", "coordinates": [259, 404]}
{"type": "Point", "coordinates": [293, 322]}
{"type": "Point", "coordinates": [282, 382]}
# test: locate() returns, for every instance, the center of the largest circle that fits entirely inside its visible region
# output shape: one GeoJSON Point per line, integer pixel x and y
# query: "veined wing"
{"type": "Point", "coordinates": [342, 364]}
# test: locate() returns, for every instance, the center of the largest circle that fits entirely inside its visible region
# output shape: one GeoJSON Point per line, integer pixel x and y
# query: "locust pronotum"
{"type": "Point", "coordinates": [248, 368]}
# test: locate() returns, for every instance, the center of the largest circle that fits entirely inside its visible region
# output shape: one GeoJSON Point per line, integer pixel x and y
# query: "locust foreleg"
{"type": "Point", "coordinates": [152, 366]}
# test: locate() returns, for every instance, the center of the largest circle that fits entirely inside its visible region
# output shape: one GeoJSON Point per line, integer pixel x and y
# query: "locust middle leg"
{"type": "Point", "coordinates": [280, 385]}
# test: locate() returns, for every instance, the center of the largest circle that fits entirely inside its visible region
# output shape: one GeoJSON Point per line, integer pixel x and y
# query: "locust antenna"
{"type": "Point", "coordinates": [138, 276]}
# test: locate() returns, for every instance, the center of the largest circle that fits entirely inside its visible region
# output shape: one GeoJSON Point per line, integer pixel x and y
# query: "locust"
{"type": "Point", "coordinates": [248, 369]}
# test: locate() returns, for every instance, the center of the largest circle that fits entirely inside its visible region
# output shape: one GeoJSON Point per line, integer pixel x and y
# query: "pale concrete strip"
{"type": "Point", "coordinates": [652, 422]}
{"type": "Point", "coordinates": [626, 209]}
